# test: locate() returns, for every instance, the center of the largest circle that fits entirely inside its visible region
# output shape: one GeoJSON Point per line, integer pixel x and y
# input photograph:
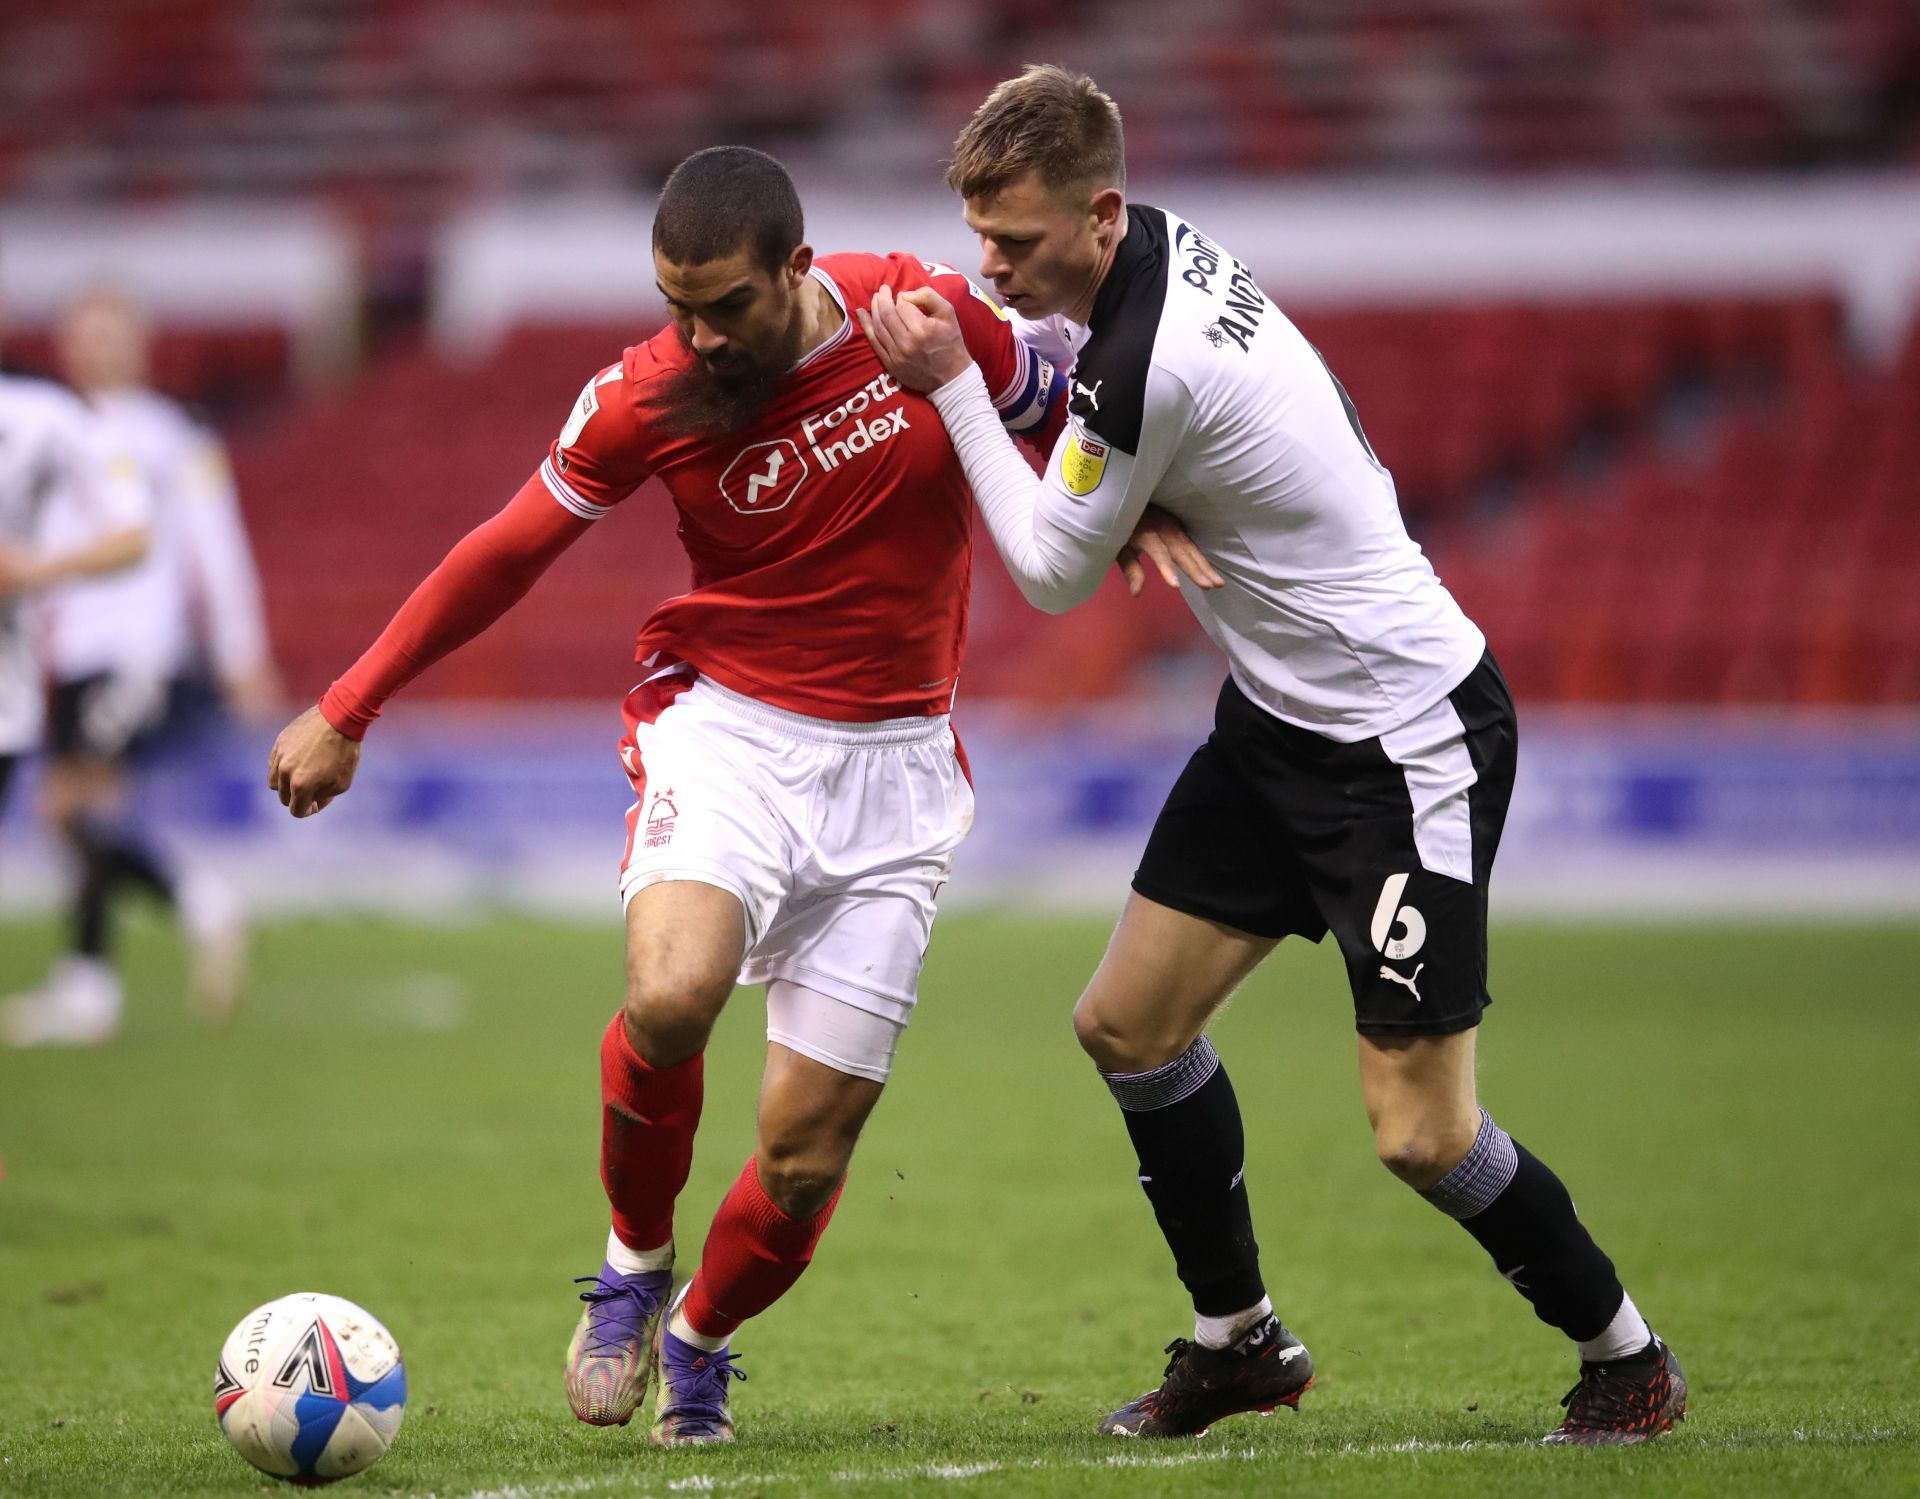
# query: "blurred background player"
{"type": "Point", "coordinates": [124, 654]}
{"type": "Point", "coordinates": [71, 506]}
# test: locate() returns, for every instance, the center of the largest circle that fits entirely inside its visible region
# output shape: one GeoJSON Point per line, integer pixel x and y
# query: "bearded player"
{"type": "Point", "coordinates": [798, 793]}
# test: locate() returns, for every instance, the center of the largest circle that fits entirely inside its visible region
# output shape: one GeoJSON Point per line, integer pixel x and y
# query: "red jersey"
{"type": "Point", "coordinates": [831, 539]}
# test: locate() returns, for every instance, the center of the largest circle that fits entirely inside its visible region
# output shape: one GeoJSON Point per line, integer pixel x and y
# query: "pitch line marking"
{"type": "Point", "coordinates": [920, 1472]}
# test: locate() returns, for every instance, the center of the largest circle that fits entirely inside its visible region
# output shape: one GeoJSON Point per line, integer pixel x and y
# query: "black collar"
{"type": "Point", "coordinates": [1138, 256]}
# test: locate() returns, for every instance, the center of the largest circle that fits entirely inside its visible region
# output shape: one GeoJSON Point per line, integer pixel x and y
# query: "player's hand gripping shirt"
{"type": "Point", "coordinates": [1188, 388]}
{"type": "Point", "coordinates": [830, 539]}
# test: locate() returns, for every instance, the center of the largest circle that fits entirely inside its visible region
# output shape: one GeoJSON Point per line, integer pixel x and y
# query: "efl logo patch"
{"type": "Point", "coordinates": [1083, 463]}
{"type": "Point", "coordinates": [586, 406]}
{"type": "Point", "coordinates": [583, 410]}
{"type": "Point", "coordinates": [765, 477]}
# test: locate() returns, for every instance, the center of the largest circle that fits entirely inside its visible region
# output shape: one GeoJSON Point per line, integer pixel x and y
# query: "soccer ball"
{"type": "Point", "coordinates": [310, 1388]}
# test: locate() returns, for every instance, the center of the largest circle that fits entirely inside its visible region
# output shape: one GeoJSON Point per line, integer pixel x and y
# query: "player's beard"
{"type": "Point", "coordinates": [702, 401]}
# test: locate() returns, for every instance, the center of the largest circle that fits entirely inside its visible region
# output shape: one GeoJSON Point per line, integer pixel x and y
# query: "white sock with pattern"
{"type": "Point", "coordinates": [1224, 1332]}
{"type": "Point", "coordinates": [1626, 1333]}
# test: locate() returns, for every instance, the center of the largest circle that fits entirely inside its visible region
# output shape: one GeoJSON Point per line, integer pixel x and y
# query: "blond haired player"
{"type": "Point", "coordinates": [1358, 772]}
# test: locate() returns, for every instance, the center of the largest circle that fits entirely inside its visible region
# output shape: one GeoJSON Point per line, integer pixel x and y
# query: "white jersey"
{"type": "Point", "coordinates": [1188, 388]}
{"type": "Point", "coordinates": [197, 571]}
{"type": "Point", "coordinates": [62, 486]}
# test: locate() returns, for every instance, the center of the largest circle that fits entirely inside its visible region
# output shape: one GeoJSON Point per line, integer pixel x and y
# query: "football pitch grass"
{"type": "Point", "coordinates": [408, 1116]}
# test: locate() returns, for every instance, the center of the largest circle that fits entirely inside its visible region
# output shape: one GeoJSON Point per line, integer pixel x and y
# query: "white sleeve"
{"type": "Point", "coordinates": [1046, 338]}
{"type": "Point", "coordinates": [1059, 534]}
{"type": "Point", "coordinates": [220, 559]}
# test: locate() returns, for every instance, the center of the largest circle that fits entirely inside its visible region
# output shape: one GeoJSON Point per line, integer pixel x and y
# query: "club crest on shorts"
{"type": "Point", "coordinates": [660, 819]}
{"type": "Point", "coordinates": [1083, 462]}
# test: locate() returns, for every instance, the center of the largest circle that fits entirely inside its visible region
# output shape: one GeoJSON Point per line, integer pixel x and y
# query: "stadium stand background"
{"type": "Point", "coordinates": [406, 108]}
{"type": "Point", "coordinates": [1696, 489]}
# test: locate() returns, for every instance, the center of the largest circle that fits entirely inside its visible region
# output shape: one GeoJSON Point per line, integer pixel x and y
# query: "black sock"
{"type": "Point", "coordinates": [1185, 1126]}
{"type": "Point", "coordinates": [110, 859]}
{"type": "Point", "coordinates": [1523, 1217]}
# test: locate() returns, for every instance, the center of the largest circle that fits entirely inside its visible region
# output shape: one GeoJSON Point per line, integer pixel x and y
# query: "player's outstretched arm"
{"type": "Point", "coordinates": [312, 763]}
{"type": "Point", "coordinates": [486, 574]}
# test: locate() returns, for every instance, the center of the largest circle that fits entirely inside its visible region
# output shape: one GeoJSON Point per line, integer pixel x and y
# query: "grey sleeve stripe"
{"type": "Point", "coordinates": [1483, 1175]}
{"type": "Point", "coordinates": [1184, 1076]}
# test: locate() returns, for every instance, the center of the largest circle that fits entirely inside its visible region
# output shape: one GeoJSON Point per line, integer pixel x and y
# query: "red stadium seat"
{"type": "Point", "coordinates": [1765, 559]}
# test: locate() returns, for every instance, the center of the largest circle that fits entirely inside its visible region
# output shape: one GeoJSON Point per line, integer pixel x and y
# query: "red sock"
{"type": "Point", "coordinates": [647, 1119]}
{"type": "Point", "coordinates": [754, 1254]}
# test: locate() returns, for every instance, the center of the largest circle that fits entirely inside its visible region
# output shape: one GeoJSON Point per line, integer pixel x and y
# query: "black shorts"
{"type": "Point", "coordinates": [104, 716]}
{"type": "Point", "coordinates": [1388, 843]}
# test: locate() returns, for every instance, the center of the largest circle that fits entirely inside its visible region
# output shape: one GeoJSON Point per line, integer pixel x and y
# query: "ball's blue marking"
{"type": "Point", "coordinates": [318, 1415]}
{"type": "Point", "coordinates": [389, 1390]}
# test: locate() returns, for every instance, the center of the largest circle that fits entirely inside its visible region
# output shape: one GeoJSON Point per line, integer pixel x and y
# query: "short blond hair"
{"type": "Point", "coordinates": [1058, 124]}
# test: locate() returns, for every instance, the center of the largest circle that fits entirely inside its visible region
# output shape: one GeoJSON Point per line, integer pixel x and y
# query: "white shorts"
{"type": "Point", "coordinates": [835, 1035]}
{"type": "Point", "coordinates": [835, 837]}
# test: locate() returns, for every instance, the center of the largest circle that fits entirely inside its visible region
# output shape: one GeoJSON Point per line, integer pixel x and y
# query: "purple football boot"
{"type": "Point", "coordinates": [611, 1357]}
{"type": "Point", "coordinates": [692, 1407]}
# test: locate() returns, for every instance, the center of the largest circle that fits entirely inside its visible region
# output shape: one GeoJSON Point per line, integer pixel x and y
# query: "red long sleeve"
{"type": "Point", "coordinates": [486, 574]}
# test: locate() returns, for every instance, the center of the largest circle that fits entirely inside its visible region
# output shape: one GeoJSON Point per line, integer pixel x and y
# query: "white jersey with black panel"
{"type": "Point", "coordinates": [198, 569]}
{"type": "Point", "coordinates": [62, 484]}
{"type": "Point", "coordinates": [1189, 388]}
